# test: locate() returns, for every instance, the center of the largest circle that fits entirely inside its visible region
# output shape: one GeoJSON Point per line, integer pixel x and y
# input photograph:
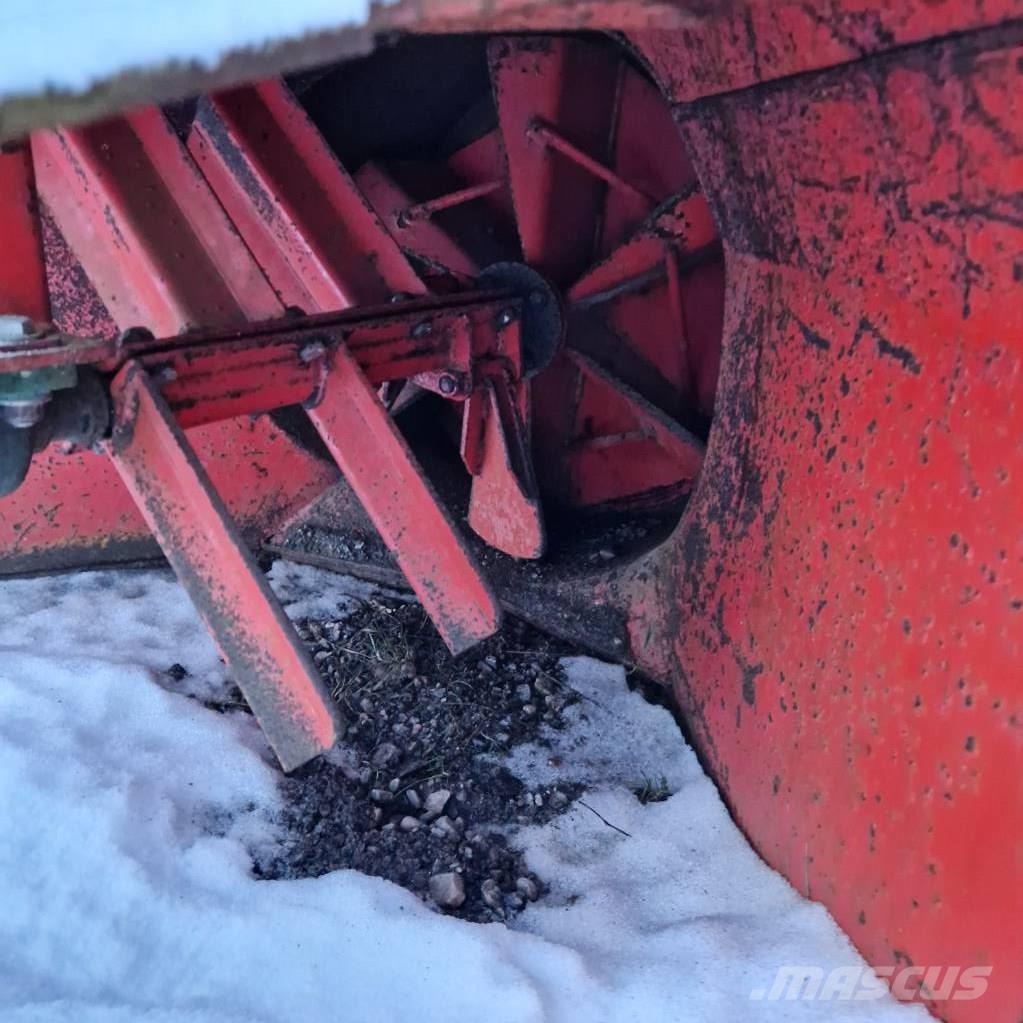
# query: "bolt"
{"type": "Point", "coordinates": [422, 329]}
{"type": "Point", "coordinates": [14, 329]}
{"type": "Point", "coordinates": [311, 352]}
{"type": "Point", "coordinates": [23, 415]}
{"type": "Point", "coordinates": [505, 316]}
{"type": "Point", "coordinates": [447, 384]}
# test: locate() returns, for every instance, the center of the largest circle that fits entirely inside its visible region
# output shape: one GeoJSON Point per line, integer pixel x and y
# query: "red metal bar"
{"type": "Point", "coordinates": [152, 238]}
{"type": "Point", "coordinates": [545, 134]}
{"type": "Point", "coordinates": [658, 329]}
{"type": "Point", "coordinates": [298, 210]}
{"type": "Point", "coordinates": [263, 653]}
{"type": "Point", "coordinates": [421, 237]}
{"type": "Point", "coordinates": [22, 272]}
{"type": "Point", "coordinates": [277, 364]}
{"type": "Point", "coordinates": [425, 210]}
{"type": "Point", "coordinates": [381, 469]}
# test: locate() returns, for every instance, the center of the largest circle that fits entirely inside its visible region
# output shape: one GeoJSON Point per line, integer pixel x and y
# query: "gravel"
{"type": "Point", "coordinates": [415, 792]}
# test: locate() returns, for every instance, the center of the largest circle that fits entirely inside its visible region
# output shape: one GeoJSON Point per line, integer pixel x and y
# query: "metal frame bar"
{"type": "Point", "coordinates": [376, 461]}
{"type": "Point", "coordinates": [263, 653]}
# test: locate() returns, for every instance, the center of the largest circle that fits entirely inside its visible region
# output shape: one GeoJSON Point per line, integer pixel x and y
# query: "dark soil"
{"type": "Point", "coordinates": [419, 723]}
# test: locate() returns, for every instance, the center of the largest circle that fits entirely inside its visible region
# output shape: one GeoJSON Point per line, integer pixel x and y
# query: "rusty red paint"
{"type": "Point", "coordinates": [381, 469]}
{"type": "Point", "coordinates": [160, 253]}
{"type": "Point", "coordinates": [459, 197]}
{"type": "Point", "coordinates": [297, 209]}
{"type": "Point", "coordinates": [421, 237]}
{"type": "Point", "coordinates": [150, 247]}
{"type": "Point", "coordinates": [651, 281]}
{"type": "Point", "coordinates": [23, 279]}
{"type": "Point", "coordinates": [265, 656]}
{"type": "Point", "coordinates": [306, 222]}
{"type": "Point", "coordinates": [748, 42]}
{"type": "Point", "coordinates": [154, 242]}
{"type": "Point", "coordinates": [210, 376]}
{"type": "Point", "coordinates": [646, 298]}
{"type": "Point", "coordinates": [620, 423]}
{"type": "Point", "coordinates": [840, 607]}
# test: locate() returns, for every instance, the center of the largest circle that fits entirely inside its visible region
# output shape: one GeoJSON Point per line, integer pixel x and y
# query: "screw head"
{"type": "Point", "coordinates": [505, 316]}
{"type": "Point", "coordinates": [422, 329]}
{"type": "Point", "coordinates": [447, 384]}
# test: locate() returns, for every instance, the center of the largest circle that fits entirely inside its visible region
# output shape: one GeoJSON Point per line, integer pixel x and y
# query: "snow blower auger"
{"type": "Point", "coordinates": [483, 276]}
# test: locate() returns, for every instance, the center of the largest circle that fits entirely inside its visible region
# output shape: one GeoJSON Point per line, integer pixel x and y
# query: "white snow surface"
{"type": "Point", "coordinates": [71, 44]}
{"type": "Point", "coordinates": [129, 810]}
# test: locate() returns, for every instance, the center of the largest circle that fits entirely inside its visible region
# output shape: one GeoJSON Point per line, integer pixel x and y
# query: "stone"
{"type": "Point", "coordinates": [433, 805]}
{"type": "Point", "coordinates": [527, 887]}
{"type": "Point", "coordinates": [490, 892]}
{"type": "Point", "coordinates": [447, 890]}
{"type": "Point", "coordinates": [385, 754]}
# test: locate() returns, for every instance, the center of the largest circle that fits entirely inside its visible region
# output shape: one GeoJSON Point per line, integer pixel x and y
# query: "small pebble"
{"type": "Point", "coordinates": [447, 890]}
{"type": "Point", "coordinates": [443, 827]}
{"type": "Point", "coordinates": [435, 803]}
{"type": "Point", "coordinates": [490, 892]}
{"type": "Point", "coordinates": [385, 754]}
{"type": "Point", "coordinates": [527, 887]}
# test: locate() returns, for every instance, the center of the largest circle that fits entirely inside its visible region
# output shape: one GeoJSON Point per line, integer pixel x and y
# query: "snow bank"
{"type": "Point", "coordinates": [71, 44]}
{"type": "Point", "coordinates": [129, 810]}
{"type": "Point", "coordinates": [613, 737]}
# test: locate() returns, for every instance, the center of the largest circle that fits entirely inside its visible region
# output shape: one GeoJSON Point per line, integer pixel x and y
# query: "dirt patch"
{"type": "Point", "coordinates": [411, 795]}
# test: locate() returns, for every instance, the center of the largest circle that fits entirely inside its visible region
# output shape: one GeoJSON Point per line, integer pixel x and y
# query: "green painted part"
{"type": "Point", "coordinates": [36, 383]}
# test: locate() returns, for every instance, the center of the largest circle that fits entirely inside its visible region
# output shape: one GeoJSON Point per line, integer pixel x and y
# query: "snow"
{"type": "Point", "coordinates": [130, 809]}
{"type": "Point", "coordinates": [71, 44]}
{"type": "Point", "coordinates": [613, 737]}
